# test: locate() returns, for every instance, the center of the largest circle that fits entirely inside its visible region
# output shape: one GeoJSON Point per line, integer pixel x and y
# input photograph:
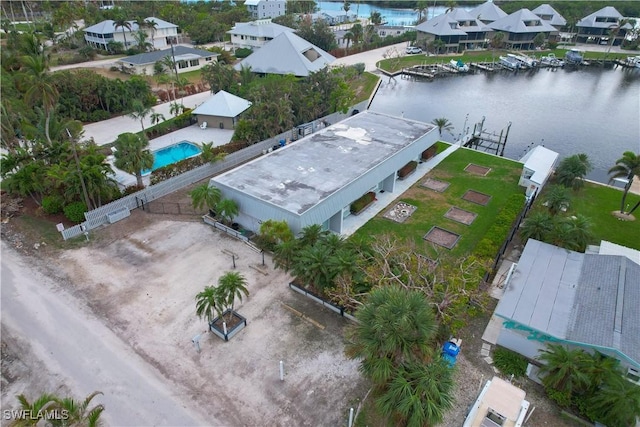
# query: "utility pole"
{"type": "Point", "coordinates": [75, 156]}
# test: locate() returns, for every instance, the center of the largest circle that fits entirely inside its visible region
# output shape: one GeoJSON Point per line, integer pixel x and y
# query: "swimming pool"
{"type": "Point", "coordinates": [172, 154]}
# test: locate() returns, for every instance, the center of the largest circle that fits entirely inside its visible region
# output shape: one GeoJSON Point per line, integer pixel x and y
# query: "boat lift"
{"type": "Point", "coordinates": [489, 142]}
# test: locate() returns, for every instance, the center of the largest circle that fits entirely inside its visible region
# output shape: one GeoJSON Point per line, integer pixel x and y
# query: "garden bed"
{"type": "Point", "coordinates": [476, 197]}
{"type": "Point", "coordinates": [460, 215]}
{"type": "Point", "coordinates": [477, 169]}
{"type": "Point", "coordinates": [233, 326]}
{"type": "Point", "coordinates": [435, 185]}
{"type": "Point", "coordinates": [400, 212]}
{"type": "Point", "coordinates": [442, 237]}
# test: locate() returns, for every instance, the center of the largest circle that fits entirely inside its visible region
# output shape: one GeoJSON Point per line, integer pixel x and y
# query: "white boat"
{"type": "Point", "coordinates": [633, 61]}
{"type": "Point", "coordinates": [574, 57]}
{"type": "Point", "coordinates": [509, 63]}
{"type": "Point", "coordinates": [459, 66]}
{"type": "Point", "coordinates": [524, 60]}
{"type": "Point", "coordinates": [550, 60]}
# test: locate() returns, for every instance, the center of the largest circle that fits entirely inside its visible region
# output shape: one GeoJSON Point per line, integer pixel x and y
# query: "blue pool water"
{"type": "Point", "coordinates": [172, 154]}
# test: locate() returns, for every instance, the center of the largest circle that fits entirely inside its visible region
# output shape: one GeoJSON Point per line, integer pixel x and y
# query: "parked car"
{"type": "Point", "coordinates": [413, 49]}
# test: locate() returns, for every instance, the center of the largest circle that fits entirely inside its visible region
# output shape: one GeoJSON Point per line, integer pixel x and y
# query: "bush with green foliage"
{"type": "Point", "coordinates": [243, 52]}
{"type": "Point", "coordinates": [510, 362]}
{"type": "Point", "coordinates": [362, 202]}
{"type": "Point", "coordinates": [52, 204]}
{"type": "Point", "coordinates": [170, 125]}
{"type": "Point", "coordinates": [75, 211]}
{"type": "Point", "coordinates": [490, 244]}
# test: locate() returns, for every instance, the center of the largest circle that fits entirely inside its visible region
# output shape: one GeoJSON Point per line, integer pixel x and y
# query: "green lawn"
{"type": "Point", "coordinates": [500, 183]}
{"type": "Point", "coordinates": [596, 202]}
{"type": "Point", "coordinates": [363, 87]}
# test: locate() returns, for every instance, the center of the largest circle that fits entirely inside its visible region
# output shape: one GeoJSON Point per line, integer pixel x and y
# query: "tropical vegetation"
{"type": "Point", "coordinates": [60, 411]}
{"type": "Point", "coordinates": [627, 167]}
{"type": "Point", "coordinates": [219, 301]}
{"type": "Point", "coordinates": [592, 384]}
{"type": "Point", "coordinates": [571, 171]}
{"type": "Point", "coordinates": [395, 339]}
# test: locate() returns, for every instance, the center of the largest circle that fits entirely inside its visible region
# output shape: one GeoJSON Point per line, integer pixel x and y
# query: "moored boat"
{"type": "Point", "coordinates": [524, 60]}
{"type": "Point", "coordinates": [509, 63]}
{"type": "Point", "coordinates": [459, 66]}
{"type": "Point", "coordinates": [574, 57]}
{"type": "Point", "coordinates": [550, 60]}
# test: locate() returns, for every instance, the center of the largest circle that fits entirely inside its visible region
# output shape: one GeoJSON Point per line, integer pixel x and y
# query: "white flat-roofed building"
{"type": "Point", "coordinates": [539, 164]}
{"type": "Point", "coordinates": [500, 404]}
{"type": "Point", "coordinates": [315, 180]}
{"type": "Point", "coordinates": [255, 34]}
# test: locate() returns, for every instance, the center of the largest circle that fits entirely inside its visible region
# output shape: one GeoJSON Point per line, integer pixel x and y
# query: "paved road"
{"type": "Point", "coordinates": [72, 342]}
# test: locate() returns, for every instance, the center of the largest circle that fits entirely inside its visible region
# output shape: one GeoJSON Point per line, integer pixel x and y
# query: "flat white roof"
{"type": "Point", "coordinates": [301, 175]}
{"type": "Point", "coordinates": [540, 160]}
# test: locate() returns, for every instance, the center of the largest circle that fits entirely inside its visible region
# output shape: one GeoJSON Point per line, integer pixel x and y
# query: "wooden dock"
{"type": "Point", "coordinates": [486, 66]}
{"type": "Point", "coordinates": [418, 72]}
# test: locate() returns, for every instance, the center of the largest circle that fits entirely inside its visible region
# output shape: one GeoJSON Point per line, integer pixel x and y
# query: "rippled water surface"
{"type": "Point", "coordinates": [588, 110]}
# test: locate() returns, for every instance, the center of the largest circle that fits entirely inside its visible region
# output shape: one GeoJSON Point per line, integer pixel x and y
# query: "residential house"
{"type": "Point", "coordinates": [600, 26]}
{"type": "Point", "coordinates": [255, 34]}
{"type": "Point", "coordinates": [391, 30]}
{"type": "Point", "coordinates": [187, 59]}
{"type": "Point", "coordinates": [500, 404]}
{"type": "Point", "coordinates": [260, 9]}
{"type": "Point", "coordinates": [583, 300]}
{"type": "Point", "coordinates": [222, 110]}
{"type": "Point", "coordinates": [334, 17]}
{"type": "Point", "coordinates": [551, 17]}
{"type": "Point", "coordinates": [161, 35]}
{"type": "Point", "coordinates": [287, 54]}
{"type": "Point", "coordinates": [539, 164]}
{"type": "Point", "coordinates": [315, 179]}
{"type": "Point", "coordinates": [487, 12]}
{"type": "Point", "coordinates": [521, 28]}
{"type": "Point", "coordinates": [456, 30]}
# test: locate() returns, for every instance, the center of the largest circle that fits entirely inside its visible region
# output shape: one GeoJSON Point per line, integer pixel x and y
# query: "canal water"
{"type": "Point", "coordinates": [587, 110]}
{"type": "Point", "coordinates": [391, 16]}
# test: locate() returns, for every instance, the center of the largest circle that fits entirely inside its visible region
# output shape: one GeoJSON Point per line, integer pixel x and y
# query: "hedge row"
{"type": "Point", "coordinates": [171, 125]}
{"type": "Point", "coordinates": [362, 202]}
{"type": "Point", "coordinates": [490, 244]}
{"type": "Point", "coordinates": [407, 169]}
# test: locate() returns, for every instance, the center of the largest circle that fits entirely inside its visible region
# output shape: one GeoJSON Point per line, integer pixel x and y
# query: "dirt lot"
{"type": "Point", "coordinates": [143, 283]}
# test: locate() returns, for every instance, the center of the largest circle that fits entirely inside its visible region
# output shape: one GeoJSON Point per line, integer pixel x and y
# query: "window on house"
{"type": "Point", "coordinates": [633, 375]}
{"type": "Point", "coordinates": [194, 62]}
{"type": "Point", "coordinates": [208, 58]}
{"type": "Point", "coordinates": [182, 64]}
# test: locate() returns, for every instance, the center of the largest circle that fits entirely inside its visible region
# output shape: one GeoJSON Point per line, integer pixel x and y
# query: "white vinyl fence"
{"type": "Point", "coordinates": [120, 208]}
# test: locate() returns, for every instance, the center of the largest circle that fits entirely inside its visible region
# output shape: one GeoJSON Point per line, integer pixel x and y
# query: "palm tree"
{"type": "Point", "coordinates": [139, 112]}
{"type": "Point", "coordinates": [564, 370]}
{"type": "Point", "coordinates": [285, 253]}
{"type": "Point", "coordinates": [121, 22]}
{"type": "Point", "coordinates": [311, 266]}
{"type": "Point", "coordinates": [572, 170]}
{"type": "Point", "coordinates": [375, 18]}
{"type": "Point", "coordinates": [39, 407]}
{"type": "Point", "coordinates": [442, 123]}
{"type": "Point", "coordinates": [311, 234]}
{"type": "Point", "coordinates": [209, 154]}
{"type": "Point", "coordinates": [580, 232]}
{"type": "Point", "coordinates": [227, 209]}
{"type": "Point", "coordinates": [208, 303]}
{"type": "Point", "coordinates": [496, 42]}
{"type": "Point", "coordinates": [537, 226]}
{"type": "Point", "coordinates": [421, 9]}
{"type": "Point", "coordinates": [157, 118]}
{"type": "Point", "coordinates": [40, 87]}
{"type": "Point", "coordinates": [357, 31]}
{"type": "Point", "coordinates": [395, 326]}
{"type": "Point", "coordinates": [628, 166]}
{"type": "Point", "coordinates": [205, 195]}
{"type": "Point", "coordinates": [153, 25]}
{"type": "Point", "coordinates": [419, 394]}
{"type": "Point", "coordinates": [78, 413]}
{"type": "Point", "coordinates": [617, 403]}
{"type": "Point", "coordinates": [348, 36]}
{"type": "Point", "coordinates": [133, 155]}
{"type": "Point", "coordinates": [234, 285]}
{"type": "Point", "coordinates": [175, 109]}
{"type": "Point", "coordinates": [556, 199]}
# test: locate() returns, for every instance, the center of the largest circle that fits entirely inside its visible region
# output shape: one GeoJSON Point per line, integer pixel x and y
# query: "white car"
{"type": "Point", "coordinates": [413, 49]}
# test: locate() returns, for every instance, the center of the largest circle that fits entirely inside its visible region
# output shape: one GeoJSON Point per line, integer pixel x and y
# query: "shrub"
{"type": "Point", "coordinates": [99, 115]}
{"type": "Point", "coordinates": [52, 204]}
{"type": "Point", "coordinates": [509, 362]}
{"type": "Point", "coordinates": [75, 211]}
{"type": "Point", "coordinates": [131, 189]}
{"type": "Point", "coordinates": [490, 244]}
{"type": "Point", "coordinates": [243, 52]}
{"type": "Point", "coordinates": [362, 202]}
{"type": "Point", "coordinates": [407, 169]}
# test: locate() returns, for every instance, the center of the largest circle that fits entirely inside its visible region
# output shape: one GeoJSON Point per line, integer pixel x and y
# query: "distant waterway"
{"type": "Point", "coordinates": [586, 110]}
{"type": "Point", "coordinates": [391, 16]}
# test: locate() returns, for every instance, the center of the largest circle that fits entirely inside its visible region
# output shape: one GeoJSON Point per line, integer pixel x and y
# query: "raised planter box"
{"type": "Point", "coordinates": [363, 203]}
{"type": "Point", "coordinates": [407, 169]}
{"type": "Point", "coordinates": [218, 329]}
{"type": "Point", "coordinates": [429, 152]}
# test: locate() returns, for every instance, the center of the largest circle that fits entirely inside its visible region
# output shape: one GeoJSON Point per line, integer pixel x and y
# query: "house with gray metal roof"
{"type": "Point", "coordinates": [255, 34]}
{"type": "Point", "coordinates": [186, 58]}
{"type": "Point", "coordinates": [487, 12]}
{"type": "Point", "coordinates": [334, 17]}
{"type": "Point", "coordinates": [521, 28]}
{"type": "Point", "coordinates": [287, 54]}
{"type": "Point", "coordinates": [221, 110]}
{"type": "Point", "coordinates": [260, 9]}
{"type": "Point", "coordinates": [160, 36]}
{"type": "Point", "coordinates": [314, 180]}
{"type": "Point", "coordinates": [551, 16]}
{"type": "Point", "coordinates": [600, 26]}
{"type": "Point", "coordinates": [584, 300]}
{"type": "Point", "coordinates": [457, 29]}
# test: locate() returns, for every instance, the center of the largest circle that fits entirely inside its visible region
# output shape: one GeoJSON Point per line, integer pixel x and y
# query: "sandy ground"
{"type": "Point", "coordinates": [142, 278]}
